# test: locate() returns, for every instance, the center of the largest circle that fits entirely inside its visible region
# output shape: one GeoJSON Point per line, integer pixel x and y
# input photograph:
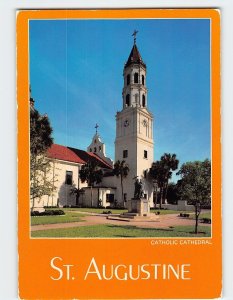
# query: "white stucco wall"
{"type": "Point", "coordinates": [61, 195]}
{"type": "Point", "coordinates": [98, 194]}
{"type": "Point", "coordinates": [134, 89]}
{"type": "Point", "coordinates": [137, 137]}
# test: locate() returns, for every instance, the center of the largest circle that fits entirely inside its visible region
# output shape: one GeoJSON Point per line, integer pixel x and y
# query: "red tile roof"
{"type": "Point", "coordinates": [100, 159]}
{"type": "Point", "coordinates": [63, 153]}
{"type": "Point", "coordinates": [90, 156]}
{"type": "Point", "coordinates": [75, 155]}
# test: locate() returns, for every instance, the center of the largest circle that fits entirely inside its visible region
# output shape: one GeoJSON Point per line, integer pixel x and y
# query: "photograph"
{"type": "Point", "coordinates": [119, 154]}
{"type": "Point", "coordinates": [120, 128]}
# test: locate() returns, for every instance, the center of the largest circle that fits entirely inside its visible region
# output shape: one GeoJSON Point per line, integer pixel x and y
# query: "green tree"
{"type": "Point", "coordinates": [161, 172]}
{"type": "Point", "coordinates": [195, 185]}
{"type": "Point", "coordinates": [121, 169]}
{"type": "Point", "coordinates": [172, 193]}
{"type": "Point", "coordinates": [77, 192]}
{"type": "Point", "coordinates": [40, 140]}
{"type": "Point", "coordinates": [170, 163]}
{"type": "Point", "coordinates": [40, 133]}
{"type": "Point", "coordinates": [91, 173]}
{"type": "Point", "coordinates": [157, 173]}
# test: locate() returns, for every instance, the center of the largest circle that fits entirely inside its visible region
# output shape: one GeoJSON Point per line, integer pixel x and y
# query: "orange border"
{"type": "Point", "coordinates": [35, 255]}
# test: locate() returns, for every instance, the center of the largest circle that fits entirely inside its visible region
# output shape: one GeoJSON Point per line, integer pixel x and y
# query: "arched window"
{"type": "Point", "coordinates": [135, 77]}
{"type": "Point", "coordinates": [99, 148]}
{"type": "Point", "coordinates": [143, 79]}
{"type": "Point", "coordinates": [128, 79]}
{"type": "Point", "coordinates": [90, 150]}
{"type": "Point", "coordinates": [95, 149]}
{"type": "Point", "coordinates": [127, 100]}
{"type": "Point", "coordinates": [143, 100]}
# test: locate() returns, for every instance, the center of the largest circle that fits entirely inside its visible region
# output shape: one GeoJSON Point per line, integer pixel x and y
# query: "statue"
{"type": "Point", "coordinates": [136, 183]}
{"type": "Point", "coordinates": [138, 190]}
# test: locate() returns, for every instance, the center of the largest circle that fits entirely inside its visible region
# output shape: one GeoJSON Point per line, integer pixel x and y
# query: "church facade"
{"type": "Point", "coordinates": [133, 144]}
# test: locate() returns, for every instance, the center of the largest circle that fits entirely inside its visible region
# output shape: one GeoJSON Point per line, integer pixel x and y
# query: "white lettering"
{"type": "Point", "coordinates": [96, 270]}
{"type": "Point", "coordinates": [117, 275]}
{"type": "Point", "coordinates": [184, 270]}
{"type": "Point", "coordinates": [56, 268]}
{"type": "Point", "coordinates": [145, 272]}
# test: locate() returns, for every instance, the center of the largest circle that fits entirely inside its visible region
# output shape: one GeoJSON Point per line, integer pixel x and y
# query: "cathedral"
{"type": "Point", "coordinates": [133, 144]}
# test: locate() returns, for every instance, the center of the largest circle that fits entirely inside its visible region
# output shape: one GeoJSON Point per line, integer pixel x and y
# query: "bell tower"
{"type": "Point", "coordinates": [134, 90]}
{"type": "Point", "coordinates": [134, 125]}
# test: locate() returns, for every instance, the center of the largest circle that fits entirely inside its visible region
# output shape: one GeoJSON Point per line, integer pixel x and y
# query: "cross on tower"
{"type": "Point", "coordinates": [134, 35]}
{"type": "Point", "coordinates": [96, 127]}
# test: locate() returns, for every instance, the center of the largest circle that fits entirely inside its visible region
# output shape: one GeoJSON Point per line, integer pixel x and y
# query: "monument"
{"type": "Point", "coordinates": [138, 205]}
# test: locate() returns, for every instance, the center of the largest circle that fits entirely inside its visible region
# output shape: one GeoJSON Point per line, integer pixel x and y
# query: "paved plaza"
{"type": "Point", "coordinates": [163, 221]}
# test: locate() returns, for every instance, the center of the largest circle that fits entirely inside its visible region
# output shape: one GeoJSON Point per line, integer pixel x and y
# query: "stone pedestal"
{"type": "Point", "coordinates": [138, 211]}
{"type": "Point", "coordinates": [140, 207]}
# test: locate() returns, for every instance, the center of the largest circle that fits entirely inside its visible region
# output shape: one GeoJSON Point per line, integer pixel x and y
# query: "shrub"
{"type": "Point", "coordinates": [58, 212]}
{"type": "Point", "coordinates": [184, 215]}
{"type": "Point", "coordinates": [35, 213]}
{"type": "Point", "coordinates": [107, 212]}
{"type": "Point", "coordinates": [206, 220]}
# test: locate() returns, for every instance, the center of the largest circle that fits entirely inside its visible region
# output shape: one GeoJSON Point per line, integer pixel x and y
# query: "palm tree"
{"type": "Point", "coordinates": [121, 169]}
{"type": "Point", "coordinates": [157, 173]}
{"type": "Point", "coordinates": [75, 191]}
{"type": "Point", "coordinates": [91, 173]}
{"type": "Point", "coordinates": [170, 163]}
{"type": "Point", "coordinates": [161, 172]}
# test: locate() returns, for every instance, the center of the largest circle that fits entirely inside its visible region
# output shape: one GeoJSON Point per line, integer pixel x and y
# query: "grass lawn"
{"type": "Point", "coordinates": [120, 211]}
{"type": "Point", "coordinates": [202, 215]}
{"type": "Point", "coordinates": [205, 215]}
{"type": "Point", "coordinates": [92, 210]}
{"type": "Point", "coordinates": [67, 218]}
{"type": "Point", "coordinates": [100, 210]}
{"type": "Point", "coordinates": [117, 211]}
{"type": "Point", "coordinates": [116, 231]}
{"type": "Point", "coordinates": [167, 211]}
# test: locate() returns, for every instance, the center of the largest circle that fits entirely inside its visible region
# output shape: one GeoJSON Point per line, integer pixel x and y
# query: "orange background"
{"type": "Point", "coordinates": [35, 254]}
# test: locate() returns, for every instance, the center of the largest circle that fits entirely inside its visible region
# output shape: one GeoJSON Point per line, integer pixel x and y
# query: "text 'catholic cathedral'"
{"type": "Point", "coordinates": [133, 144]}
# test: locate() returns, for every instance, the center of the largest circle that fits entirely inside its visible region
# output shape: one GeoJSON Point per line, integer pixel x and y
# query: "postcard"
{"type": "Point", "coordinates": [119, 154]}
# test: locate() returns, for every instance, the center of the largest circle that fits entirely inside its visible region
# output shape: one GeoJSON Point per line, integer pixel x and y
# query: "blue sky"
{"type": "Point", "coordinates": [76, 69]}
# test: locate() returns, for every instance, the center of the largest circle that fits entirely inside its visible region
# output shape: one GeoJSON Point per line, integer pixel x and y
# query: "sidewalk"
{"type": "Point", "coordinates": [164, 221]}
